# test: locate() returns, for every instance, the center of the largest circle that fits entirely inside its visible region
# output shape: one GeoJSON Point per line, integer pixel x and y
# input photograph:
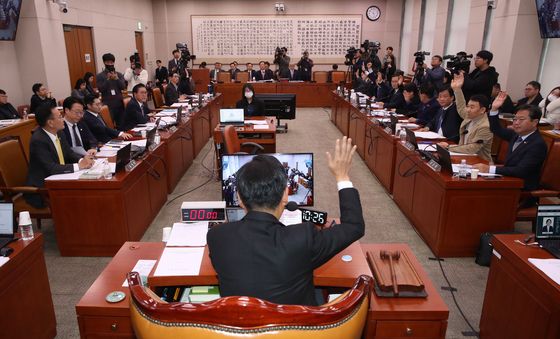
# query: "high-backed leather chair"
{"type": "Point", "coordinates": [320, 77]}
{"type": "Point", "coordinates": [338, 77]}
{"type": "Point", "coordinates": [20, 109]}
{"type": "Point", "coordinates": [232, 144]}
{"type": "Point", "coordinates": [13, 173]}
{"type": "Point", "coordinates": [126, 100]}
{"type": "Point", "coordinates": [106, 115]}
{"type": "Point", "coordinates": [247, 317]}
{"type": "Point", "coordinates": [224, 77]}
{"type": "Point", "coordinates": [158, 98]}
{"type": "Point", "coordinates": [242, 77]}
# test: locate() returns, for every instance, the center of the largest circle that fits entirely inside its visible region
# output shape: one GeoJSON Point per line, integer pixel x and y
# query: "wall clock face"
{"type": "Point", "coordinates": [373, 13]}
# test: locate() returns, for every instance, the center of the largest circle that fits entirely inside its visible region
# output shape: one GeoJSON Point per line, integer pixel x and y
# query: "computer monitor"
{"type": "Point", "coordinates": [444, 159]}
{"type": "Point", "coordinates": [123, 157]}
{"type": "Point", "coordinates": [232, 116]}
{"type": "Point", "coordinates": [280, 105]}
{"type": "Point", "coordinates": [299, 168]}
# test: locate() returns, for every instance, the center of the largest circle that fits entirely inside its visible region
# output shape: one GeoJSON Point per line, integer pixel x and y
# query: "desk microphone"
{"type": "Point", "coordinates": [316, 217]}
{"type": "Point", "coordinates": [479, 141]}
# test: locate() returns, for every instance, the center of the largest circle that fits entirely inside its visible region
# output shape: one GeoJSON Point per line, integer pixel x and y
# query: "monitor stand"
{"type": "Point", "coordinates": [281, 128]}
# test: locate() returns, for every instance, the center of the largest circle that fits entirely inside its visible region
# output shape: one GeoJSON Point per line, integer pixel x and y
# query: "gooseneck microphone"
{"type": "Point", "coordinates": [458, 135]}
{"type": "Point", "coordinates": [292, 206]}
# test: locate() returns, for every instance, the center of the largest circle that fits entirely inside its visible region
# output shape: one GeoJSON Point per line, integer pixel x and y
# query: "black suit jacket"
{"type": "Point", "coordinates": [268, 75]}
{"type": "Point", "coordinates": [8, 111]}
{"type": "Point", "coordinates": [161, 74]}
{"type": "Point", "coordinates": [88, 140]}
{"type": "Point", "coordinates": [172, 66]}
{"type": "Point", "coordinates": [43, 158]}
{"type": "Point", "coordinates": [36, 101]}
{"type": "Point", "coordinates": [527, 159]}
{"type": "Point", "coordinates": [450, 124]}
{"type": "Point", "coordinates": [171, 94]}
{"type": "Point", "coordinates": [98, 128]}
{"type": "Point", "coordinates": [133, 115]}
{"type": "Point", "coordinates": [260, 257]}
{"type": "Point", "coordinates": [287, 74]}
{"type": "Point", "coordinates": [396, 100]}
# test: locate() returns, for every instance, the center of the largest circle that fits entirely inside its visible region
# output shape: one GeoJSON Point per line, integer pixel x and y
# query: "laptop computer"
{"type": "Point", "coordinates": [232, 116]}
{"type": "Point", "coordinates": [411, 138]}
{"type": "Point", "coordinates": [137, 151]}
{"type": "Point", "coordinates": [547, 232]}
{"type": "Point", "coordinates": [6, 223]}
{"type": "Point", "coordinates": [444, 159]}
{"type": "Point", "coordinates": [123, 157]}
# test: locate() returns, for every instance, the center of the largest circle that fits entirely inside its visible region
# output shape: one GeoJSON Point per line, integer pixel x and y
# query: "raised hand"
{"type": "Point", "coordinates": [339, 164]}
{"type": "Point", "coordinates": [458, 81]}
{"type": "Point", "coordinates": [499, 101]}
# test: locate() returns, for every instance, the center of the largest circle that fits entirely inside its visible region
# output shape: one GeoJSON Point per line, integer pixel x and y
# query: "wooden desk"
{"type": "Point", "coordinates": [450, 213]}
{"type": "Point", "coordinates": [96, 317]}
{"type": "Point", "coordinates": [95, 217]}
{"type": "Point", "coordinates": [26, 294]}
{"type": "Point", "coordinates": [406, 317]}
{"type": "Point", "coordinates": [264, 137]}
{"type": "Point", "coordinates": [21, 129]}
{"type": "Point", "coordinates": [520, 301]}
{"type": "Point", "coordinates": [380, 154]}
{"type": "Point", "coordinates": [179, 152]}
{"type": "Point", "coordinates": [307, 94]}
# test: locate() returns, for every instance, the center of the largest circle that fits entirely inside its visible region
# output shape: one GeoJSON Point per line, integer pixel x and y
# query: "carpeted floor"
{"type": "Point", "coordinates": [311, 132]}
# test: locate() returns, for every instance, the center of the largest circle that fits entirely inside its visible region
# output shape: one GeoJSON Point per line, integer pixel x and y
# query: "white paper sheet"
{"type": "Point", "coordinates": [180, 104]}
{"type": "Point", "coordinates": [139, 143]}
{"type": "Point", "coordinates": [107, 153]}
{"type": "Point", "coordinates": [191, 234]}
{"type": "Point", "coordinates": [166, 113]}
{"type": "Point", "coordinates": [3, 260]}
{"type": "Point", "coordinates": [256, 122]}
{"type": "Point", "coordinates": [261, 127]}
{"type": "Point", "coordinates": [428, 135]}
{"type": "Point", "coordinates": [76, 175]}
{"type": "Point", "coordinates": [143, 267]}
{"type": "Point", "coordinates": [462, 154]}
{"type": "Point", "coordinates": [290, 217]}
{"type": "Point", "coordinates": [550, 267]}
{"type": "Point", "coordinates": [456, 168]}
{"type": "Point", "coordinates": [179, 261]}
{"type": "Point", "coordinates": [427, 147]}
{"type": "Point", "coordinates": [9, 122]}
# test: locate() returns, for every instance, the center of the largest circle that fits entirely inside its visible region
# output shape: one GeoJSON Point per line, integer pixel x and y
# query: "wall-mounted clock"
{"type": "Point", "coordinates": [373, 13]}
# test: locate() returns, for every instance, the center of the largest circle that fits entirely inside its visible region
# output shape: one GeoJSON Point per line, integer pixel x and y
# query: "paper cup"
{"type": "Point", "coordinates": [24, 218]}
{"type": "Point", "coordinates": [143, 133]}
{"type": "Point", "coordinates": [474, 173]}
{"type": "Point", "coordinates": [166, 234]}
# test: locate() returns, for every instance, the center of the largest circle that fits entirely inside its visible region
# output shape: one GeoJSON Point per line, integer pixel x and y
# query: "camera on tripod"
{"type": "Point", "coordinates": [458, 62]}
{"type": "Point", "coordinates": [420, 57]}
{"type": "Point", "coordinates": [186, 55]}
{"type": "Point", "coordinates": [371, 46]}
{"type": "Point", "coordinates": [350, 54]}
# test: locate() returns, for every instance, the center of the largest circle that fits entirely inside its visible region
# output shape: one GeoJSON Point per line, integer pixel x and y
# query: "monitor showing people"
{"type": "Point", "coordinates": [298, 167]}
{"type": "Point", "coordinates": [548, 221]}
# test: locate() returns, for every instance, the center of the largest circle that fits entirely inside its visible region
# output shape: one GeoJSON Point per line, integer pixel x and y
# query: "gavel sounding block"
{"type": "Point", "coordinates": [408, 281]}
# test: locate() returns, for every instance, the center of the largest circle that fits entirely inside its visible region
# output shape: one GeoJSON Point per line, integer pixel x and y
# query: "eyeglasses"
{"type": "Point", "coordinates": [77, 112]}
{"type": "Point", "coordinates": [520, 119]}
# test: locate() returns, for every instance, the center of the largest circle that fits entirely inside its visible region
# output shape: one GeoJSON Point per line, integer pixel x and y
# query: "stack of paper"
{"type": "Point", "coordinates": [143, 267]}
{"type": "Point", "coordinates": [192, 234]}
{"type": "Point", "coordinates": [179, 261]}
{"type": "Point", "coordinates": [550, 267]}
{"type": "Point", "coordinates": [291, 217]}
{"type": "Point", "coordinates": [428, 135]}
{"type": "Point", "coordinates": [256, 122]}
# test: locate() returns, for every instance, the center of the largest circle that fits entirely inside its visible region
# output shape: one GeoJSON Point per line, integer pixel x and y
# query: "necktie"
{"type": "Point", "coordinates": [517, 143]}
{"type": "Point", "coordinates": [101, 119]}
{"type": "Point", "coordinates": [440, 120]}
{"type": "Point", "coordinates": [59, 151]}
{"type": "Point", "coordinates": [77, 141]}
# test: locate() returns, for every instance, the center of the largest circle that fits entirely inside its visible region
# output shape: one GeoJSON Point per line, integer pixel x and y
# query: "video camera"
{"type": "Point", "coordinates": [420, 57]}
{"type": "Point", "coordinates": [371, 46]}
{"type": "Point", "coordinates": [350, 54]}
{"type": "Point", "coordinates": [185, 53]}
{"type": "Point", "coordinates": [278, 53]}
{"type": "Point", "coordinates": [458, 62]}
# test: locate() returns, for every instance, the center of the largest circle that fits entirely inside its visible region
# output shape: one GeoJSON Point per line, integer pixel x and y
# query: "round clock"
{"type": "Point", "coordinates": [373, 13]}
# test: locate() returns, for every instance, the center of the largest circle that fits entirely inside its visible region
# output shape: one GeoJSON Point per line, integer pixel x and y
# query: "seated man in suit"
{"type": "Point", "coordinates": [252, 73]}
{"type": "Point", "coordinates": [137, 111]}
{"type": "Point", "coordinates": [263, 73]}
{"type": "Point", "coordinates": [527, 149]}
{"type": "Point", "coordinates": [289, 73]}
{"type": "Point", "coordinates": [172, 94]}
{"type": "Point", "coordinates": [214, 73]}
{"type": "Point", "coordinates": [532, 94]}
{"type": "Point", "coordinates": [41, 96]}
{"type": "Point", "coordinates": [96, 124]}
{"type": "Point", "coordinates": [49, 153]}
{"type": "Point", "coordinates": [475, 135]}
{"type": "Point", "coordinates": [508, 106]}
{"type": "Point", "coordinates": [260, 257]}
{"type": "Point", "coordinates": [395, 98]}
{"type": "Point", "coordinates": [76, 132]}
{"type": "Point", "coordinates": [428, 107]}
{"type": "Point", "coordinates": [233, 70]}
{"type": "Point", "coordinates": [447, 120]}
{"type": "Point", "coordinates": [7, 111]}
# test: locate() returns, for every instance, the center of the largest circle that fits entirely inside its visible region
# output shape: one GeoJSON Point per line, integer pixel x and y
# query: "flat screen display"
{"type": "Point", "coordinates": [548, 12]}
{"type": "Point", "coordinates": [9, 17]}
{"type": "Point", "coordinates": [298, 166]}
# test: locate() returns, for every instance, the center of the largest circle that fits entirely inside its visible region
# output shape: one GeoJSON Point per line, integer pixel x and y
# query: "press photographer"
{"type": "Point", "coordinates": [281, 60]}
{"type": "Point", "coordinates": [305, 65]}
{"type": "Point", "coordinates": [435, 75]}
{"type": "Point", "coordinates": [186, 84]}
{"type": "Point", "coordinates": [419, 66]}
{"type": "Point", "coordinates": [369, 52]}
{"type": "Point", "coordinates": [135, 74]}
{"type": "Point", "coordinates": [482, 78]}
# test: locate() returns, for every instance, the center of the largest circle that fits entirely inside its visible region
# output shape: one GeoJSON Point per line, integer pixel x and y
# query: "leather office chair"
{"type": "Point", "coordinates": [106, 115]}
{"type": "Point", "coordinates": [20, 109]}
{"type": "Point", "coordinates": [224, 77]}
{"type": "Point", "coordinates": [126, 100]}
{"type": "Point", "coordinates": [158, 98]}
{"type": "Point", "coordinates": [320, 77]}
{"type": "Point", "coordinates": [247, 317]}
{"type": "Point", "coordinates": [338, 77]}
{"type": "Point", "coordinates": [13, 172]}
{"type": "Point", "coordinates": [549, 183]}
{"type": "Point", "coordinates": [232, 144]}
{"type": "Point", "coordinates": [242, 77]}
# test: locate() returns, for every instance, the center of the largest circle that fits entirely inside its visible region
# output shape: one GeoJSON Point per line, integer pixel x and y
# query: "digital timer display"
{"type": "Point", "coordinates": [203, 214]}
{"type": "Point", "coordinates": [316, 217]}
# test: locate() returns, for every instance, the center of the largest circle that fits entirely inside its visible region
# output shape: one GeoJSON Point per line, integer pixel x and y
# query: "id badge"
{"type": "Point", "coordinates": [113, 92]}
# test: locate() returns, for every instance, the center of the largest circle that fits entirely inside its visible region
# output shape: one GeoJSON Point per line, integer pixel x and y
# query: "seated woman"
{"type": "Point", "coordinates": [550, 107]}
{"type": "Point", "coordinates": [79, 92]}
{"type": "Point", "coordinates": [251, 106]}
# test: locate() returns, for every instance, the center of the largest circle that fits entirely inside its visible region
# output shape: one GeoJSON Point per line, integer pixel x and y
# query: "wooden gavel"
{"type": "Point", "coordinates": [384, 255]}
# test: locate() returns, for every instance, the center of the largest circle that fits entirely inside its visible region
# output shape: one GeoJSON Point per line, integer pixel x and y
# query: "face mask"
{"type": "Point", "coordinates": [552, 97]}
{"type": "Point", "coordinates": [248, 95]}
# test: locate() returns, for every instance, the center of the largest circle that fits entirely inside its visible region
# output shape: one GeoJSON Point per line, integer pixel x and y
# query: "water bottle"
{"type": "Point", "coordinates": [402, 136]}
{"type": "Point", "coordinates": [157, 138]}
{"type": "Point", "coordinates": [210, 88]}
{"type": "Point", "coordinates": [463, 169]}
{"type": "Point", "coordinates": [107, 170]}
{"type": "Point", "coordinates": [25, 115]}
{"type": "Point", "coordinates": [25, 226]}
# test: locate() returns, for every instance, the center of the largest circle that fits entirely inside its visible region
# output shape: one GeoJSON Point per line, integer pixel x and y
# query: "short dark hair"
{"type": "Point", "coordinates": [427, 89]}
{"type": "Point", "coordinates": [249, 63]}
{"type": "Point", "coordinates": [245, 86]}
{"type": "Point", "coordinates": [261, 182]}
{"type": "Point", "coordinates": [158, 61]}
{"type": "Point", "coordinates": [497, 85]}
{"type": "Point", "coordinates": [108, 57]}
{"type": "Point", "coordinates": [43, 113]}
{"type": "Point", "coordinates": [481, 99]}
{"type": "Point", "coordinates": [89, 99]}
{"type": "Point", "coordinates": [390, 48]}
{"type": "Point", "coordinates": [175, 51]}
{"type": "Point", "coordinates": [137, 87]}
{"type": "Point", "coordinates": [411, 87]}
{"type": "Point", "coordinates": [36, 87]}
{"type": "Point", "coordinates": [2, 92]}
{"type": "Point", "coordinates": [267, 63]}
{"type": "Point", "coordinates": [486, 55]}
{"type": "Point", "coordinates": [447, 89]}
{"type": "Point", "coordinates": [79, 83]}
{"type": "Point", "coordinates": [438, 57]}
{"type": "Point", "coordinates": [335, 66]}
{"type": "Point", "coordinates": [535, 84]}
{"type": "Point", "coordinates": [535, 112]}
{"type": "Point", "coordinates": [70, 101]}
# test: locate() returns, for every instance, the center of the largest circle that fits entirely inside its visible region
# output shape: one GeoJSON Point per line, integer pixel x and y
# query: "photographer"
{"type": "Point", "coordinates": [282, 60]}
{"type": "Point", "coordinates": [434, 76]}
{"type": "Point", "coordinates": [482, 78]}
{"type": "Point", "coordinates": [173, 64]}
{"type": "Point", "coordinates": [305, 66]}
{"type": "Point", "coordinates": [389, 63]}
{"type": "Point", "coordinates": [135, 74]}
{"type": "Point", "coordinates": [110, 84]}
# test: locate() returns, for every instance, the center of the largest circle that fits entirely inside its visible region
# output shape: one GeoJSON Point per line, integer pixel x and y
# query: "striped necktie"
{"type": "Point", "coordinates": [59, 151]}
{"type": "Point", "coordinates": [517, 143]}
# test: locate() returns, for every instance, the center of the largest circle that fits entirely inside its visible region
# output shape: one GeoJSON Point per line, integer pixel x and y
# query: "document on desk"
{"type": "Point", "coordinates": [143, 267]}
{"type": "Point", "coordinates": [427, 147]}
{"type": "Point", "coordinates": [260, 127]}
{"type": "Point", "coordinates": [76, 175]}
{"type": "Point", "coordinates": [179, 261]}
{"type": "Point", "coordinates": [191, 234]}
{"type": "Point", "coordinates": [166, 113]}
{"type": "Point", "coordinates": [291, 217]}
{"type": "Point", "coordinates": [256, 122]}
{"type": "Point", "coordinates": [428, 135]}
{"type": "Point", "coordinates": [3, 260]}
{"type": "Point", "coordinates": [550, 267]}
